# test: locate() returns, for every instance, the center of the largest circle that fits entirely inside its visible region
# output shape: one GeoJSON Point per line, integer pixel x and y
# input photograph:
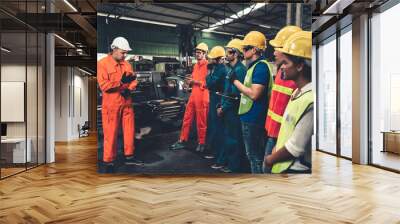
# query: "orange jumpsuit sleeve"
{"type": "Point", "coordinates": [199, 77]}
{"type": "Point", "coordinates": [202, 84]}
{"type": "Point", "coordinates": [105, 84]}
{"type": "Point", "coordinates": [202, 76]}
{"type": "Point", "coordinates": [132, 85]}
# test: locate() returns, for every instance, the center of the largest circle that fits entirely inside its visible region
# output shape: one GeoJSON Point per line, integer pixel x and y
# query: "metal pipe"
{"type": "Point", "coordinates": [226, 96]}
{"type": "Point", "coordinates": [289, 14]}
{"type": "Point", "coordinates": [298, 14]}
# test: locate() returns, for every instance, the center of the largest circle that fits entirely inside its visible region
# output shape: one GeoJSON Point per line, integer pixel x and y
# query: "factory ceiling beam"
{"type": "Point", "coordinates": [203, 16]}
{"type": "Point", "coordinates": [216, 17]}
{"type": "Point", "coordinates": [84, 61]}
{"type": "Point", "coordinates": [91, 5]}
{"type": "Point", "coordinates": [81, 21]}
{"type": "Point", "coordinates": [126, 8]}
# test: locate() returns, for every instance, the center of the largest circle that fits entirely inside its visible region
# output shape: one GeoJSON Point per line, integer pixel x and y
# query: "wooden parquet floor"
{"type": "Point", "coordinates": [71, 191]}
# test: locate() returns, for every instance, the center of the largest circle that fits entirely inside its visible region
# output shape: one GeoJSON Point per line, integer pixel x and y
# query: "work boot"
{"type": "Point", "coordinates": [209, 156]}
{"type": "Point", "coordinates": [177, 146]}
{"type": "Point", "coordinates": [131, 160]}
{"type": "Point", "coordinates": [200, 148]}
{"type": "Point", "coordinates": [106, 167]}
{"type": "Point", "coordinates": [217, 166]}
{"type": "Point", "coordinates": [226, 170]}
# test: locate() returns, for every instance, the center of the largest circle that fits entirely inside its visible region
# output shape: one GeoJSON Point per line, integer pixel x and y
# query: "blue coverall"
{"type": "Point", "coordinates": [215, 83]}
{"type": "Point", "coordinates": [233, 140]}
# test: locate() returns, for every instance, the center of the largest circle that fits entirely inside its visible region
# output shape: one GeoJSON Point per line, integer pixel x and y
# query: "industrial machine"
{"type": "Point", "coordinates": [160, 95]}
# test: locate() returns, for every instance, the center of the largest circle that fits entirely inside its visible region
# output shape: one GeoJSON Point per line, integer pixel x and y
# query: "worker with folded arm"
{"type": "Point", "coordinates": [116, 81]}
{"type": "Point", "coordinates": [281, 92]}
{"type": "Point", "coordinates": [197, 106]}
{"type": "Point", "coordinates": [233, 146]}
{"type": "Point", "coordinates": [292, 153]}
{"type": "Point", "coordinates": [255, 91]}
{"type": "Point", "coordinates": [215, 83]}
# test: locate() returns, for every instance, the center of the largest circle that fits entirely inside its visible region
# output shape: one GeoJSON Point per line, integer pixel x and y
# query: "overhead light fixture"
{"type": "Point", "coordinates": [70, 5]}
{"type": "Point", "coordinates": [224, 33]}
{"type": "Point", "coordinates": [64, 40]}
{"type": "Point", "coordinates": [235, 16]}
{"type": "Point", "coordinates": [84, 71]}
{"type": "Point", "coordinates": [136, 19]}
{"type": "Point", "coordinates": [5, 50]}
{"type": "Point", "coordinates": [265, 26]}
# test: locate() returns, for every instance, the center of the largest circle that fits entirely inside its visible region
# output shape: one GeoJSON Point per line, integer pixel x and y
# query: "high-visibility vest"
{"type": "Point", "coordinates": [245, 102]}
{"type": "Point", "coordinates": [280, 96]}
{"type": "Point", "coordinates": [294, 111]}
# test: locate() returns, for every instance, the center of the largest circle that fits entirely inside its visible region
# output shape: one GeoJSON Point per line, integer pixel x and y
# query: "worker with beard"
{"type": "Point", "coordinates": [233, 146]}
{"type": "Point", "coordinates": [116, 81]}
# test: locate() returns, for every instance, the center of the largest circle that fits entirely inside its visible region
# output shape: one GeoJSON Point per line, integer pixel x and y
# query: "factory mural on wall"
{"type": "Point", "coordinates": [225, 88]}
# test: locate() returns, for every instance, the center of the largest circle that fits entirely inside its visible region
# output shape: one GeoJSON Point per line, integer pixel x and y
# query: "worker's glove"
{"type": "Point", "coordinates": [220, 112]}
{"type": "Point", "coordinates": [127, 78]}
{"type": "Point", "coordinates": [231, 77]}
{"type": "Point", "coordinates": [126, 93]}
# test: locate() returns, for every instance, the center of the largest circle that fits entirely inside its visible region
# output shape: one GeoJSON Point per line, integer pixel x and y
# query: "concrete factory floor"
{"type": "Point", "coordinates": [153, 151]}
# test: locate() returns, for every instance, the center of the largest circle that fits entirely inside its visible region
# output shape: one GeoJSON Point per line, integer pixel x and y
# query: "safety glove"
{"type": "Point", "coordinates": [126, 93]}
{"type": "Point", "coordinates": [127, 78]}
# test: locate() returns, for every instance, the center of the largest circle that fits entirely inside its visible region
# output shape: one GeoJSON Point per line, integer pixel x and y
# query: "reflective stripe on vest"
{"type": "Point", "coordinates": [274, 116]}
{"type": "Point", "coordinates": [245, 102]}
{"type": "Point", "coordinates": [293, 113]}
{"type": "Point", "coordinates": [282, 89]}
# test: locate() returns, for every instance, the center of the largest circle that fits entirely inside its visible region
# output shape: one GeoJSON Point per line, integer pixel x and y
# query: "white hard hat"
{"type": "Point", "coordinates": [121, 43]}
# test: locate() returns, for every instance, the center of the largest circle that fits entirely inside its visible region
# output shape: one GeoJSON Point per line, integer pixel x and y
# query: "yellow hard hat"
{"type": "Point", "coordinates": [216, 52]}
{"type": "Point", "coordinates": [236, 44]}
{"type": "Point", "coordinates": [283, 35]}
{"type": "Point", "coordinates": [255, 39]}
{"type": "Point", "coordinates": [202, 46]}
{"type": "Point", "coordinates": [298, 44]}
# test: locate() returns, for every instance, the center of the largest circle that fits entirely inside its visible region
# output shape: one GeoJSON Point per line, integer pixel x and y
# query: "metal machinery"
{"type": "Point", "coordinates": [160, 96]}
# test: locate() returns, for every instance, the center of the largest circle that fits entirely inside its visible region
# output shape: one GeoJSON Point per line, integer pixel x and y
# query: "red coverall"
{"type": "Point", "coordinates": [115, 108]}
{"type": "Point", "coordinates": [197, 104]}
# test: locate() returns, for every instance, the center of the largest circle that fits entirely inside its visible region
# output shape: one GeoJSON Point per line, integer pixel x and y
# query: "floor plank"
{"type": "Point", "coordinates": [71, 191]}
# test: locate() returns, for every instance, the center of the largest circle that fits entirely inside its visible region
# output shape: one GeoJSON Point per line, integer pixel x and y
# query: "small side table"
{"type": "Point", "coordinates": [391, 141]}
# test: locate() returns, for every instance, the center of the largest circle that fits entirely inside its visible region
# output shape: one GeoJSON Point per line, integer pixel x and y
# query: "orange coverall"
{"type": "Point", "coordinates": [197, 105]}
{"type": "Point", "coordinates": [115, 108]}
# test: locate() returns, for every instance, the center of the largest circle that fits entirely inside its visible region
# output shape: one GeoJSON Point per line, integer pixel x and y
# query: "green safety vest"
{"type": "Point", "coordinates": [294, 111]}
{"type": "Point", "coordinates": [245, 102]}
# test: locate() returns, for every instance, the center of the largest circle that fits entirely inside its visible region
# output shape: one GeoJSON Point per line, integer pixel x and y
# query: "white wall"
{"type": "Point", "coordinates": [71, 93]}
{"type": "Point", "coordinates": [12, 73]}
{"type": "Point", "coordinates": [34, 124]}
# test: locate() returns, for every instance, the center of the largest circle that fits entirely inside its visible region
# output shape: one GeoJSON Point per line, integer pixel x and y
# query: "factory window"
{"type": "Point", "coordinates": [385, 89]}
{"type": "Point", "coordinates": [345, 42]}
{"type": "Point", "coordinates": [326, 99]}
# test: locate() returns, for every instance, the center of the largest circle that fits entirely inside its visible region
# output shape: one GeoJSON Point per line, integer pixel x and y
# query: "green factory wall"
{"type": "Point", "coordinates": [148, 39]}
